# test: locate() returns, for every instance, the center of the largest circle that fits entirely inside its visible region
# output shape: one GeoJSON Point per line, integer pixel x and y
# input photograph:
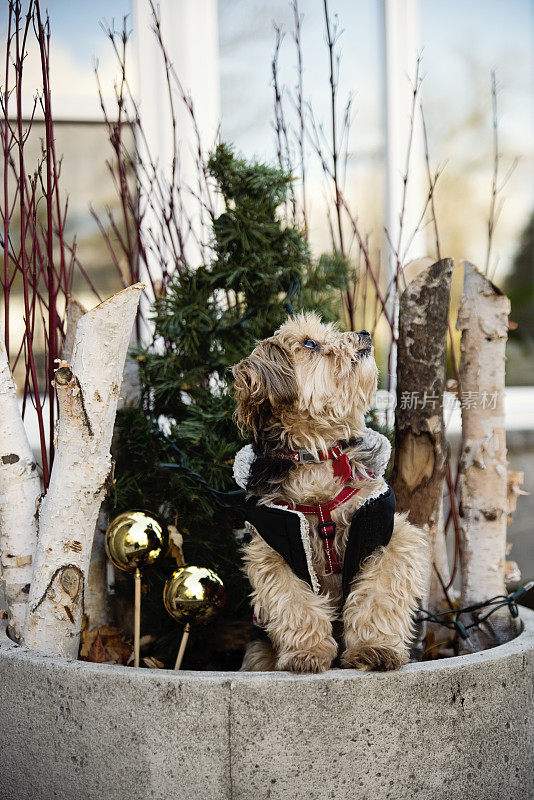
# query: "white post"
{"type": "Point", "coordinates": [400, 32]}
{"type": "Point", "coordinates": [190, 34]}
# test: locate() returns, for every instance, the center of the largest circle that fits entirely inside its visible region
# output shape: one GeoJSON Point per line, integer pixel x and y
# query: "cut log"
{"type": "Point", "coordinates": [484, 506]}
{"type": "Point", "coordinates": [96, 606]}
{"type": "Point", "coordinates": [420, 449]}
{"type": "Point", "coordinates": [96, 602]}
{"type": "Point", "coordinates": [88, 392]}
{"type": "Point", "coordinates": [74, 313]}
{"type": "Point", "coordinates": [20, 488]}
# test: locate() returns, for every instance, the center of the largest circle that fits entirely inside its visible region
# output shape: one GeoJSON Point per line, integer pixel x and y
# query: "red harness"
{"type": "Point", "coordinates": [341, 465]}
{"type": "Point", "coordinates": [327, 526]}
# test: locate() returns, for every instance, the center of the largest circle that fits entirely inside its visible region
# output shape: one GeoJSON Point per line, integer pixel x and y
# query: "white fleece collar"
{"type": "Point", "coordinates": [375, 450]}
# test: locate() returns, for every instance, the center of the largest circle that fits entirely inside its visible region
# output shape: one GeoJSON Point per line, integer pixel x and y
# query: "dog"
{"type": "Point", "coordinates": [336, 574]}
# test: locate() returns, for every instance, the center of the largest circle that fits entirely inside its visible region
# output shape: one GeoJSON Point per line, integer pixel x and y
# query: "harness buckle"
{"type": "Point", "coordinates": [329, 524]}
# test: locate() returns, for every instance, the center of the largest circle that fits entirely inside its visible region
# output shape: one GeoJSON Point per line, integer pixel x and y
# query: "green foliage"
{"type": "Point", "coordinates": [209, 319]}
{"type": "Point", "coordinates": [328, 273]}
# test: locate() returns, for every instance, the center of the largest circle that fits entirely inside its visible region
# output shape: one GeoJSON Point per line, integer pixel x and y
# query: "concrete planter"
{"type": "Point", "coordinates": [459, 728]}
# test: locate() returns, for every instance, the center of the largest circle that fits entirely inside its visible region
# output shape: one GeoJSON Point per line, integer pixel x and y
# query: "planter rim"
{"type": "Point", "coordinates": [524, 641]}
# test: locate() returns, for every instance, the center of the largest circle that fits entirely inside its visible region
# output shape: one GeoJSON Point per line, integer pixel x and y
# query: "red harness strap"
{"type": "Point", "coordinates": [341, 465]}
{"type": "Point", "coordinates": [327, 527]}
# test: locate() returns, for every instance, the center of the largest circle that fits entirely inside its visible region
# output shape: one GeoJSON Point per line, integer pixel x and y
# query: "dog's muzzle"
{"type": "Point", "coordinates": [365, 342]}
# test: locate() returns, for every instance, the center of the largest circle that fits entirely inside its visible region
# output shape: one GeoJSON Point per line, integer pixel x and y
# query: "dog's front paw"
{"type": "Point", "coordinates": [317, 659]}
{"type": "Point", "coordinates": [367, 657]}
{"type": "Point", "coordinates": [303, 662]}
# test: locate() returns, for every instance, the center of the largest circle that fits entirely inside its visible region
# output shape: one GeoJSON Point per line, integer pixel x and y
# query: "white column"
{"type": "Point", "coordinates": [190, 33]}
{"type": "Point", "coordinates": [401, 48]}
{"type": "Point", "coordinates": [400, 38]}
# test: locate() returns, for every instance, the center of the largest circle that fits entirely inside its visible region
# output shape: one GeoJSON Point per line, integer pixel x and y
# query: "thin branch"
{"type": "Point", "coordinates": [297, 23]}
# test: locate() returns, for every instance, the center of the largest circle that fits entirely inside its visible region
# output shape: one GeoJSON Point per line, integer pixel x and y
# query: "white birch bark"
{"type": "Point", "coordinates": [74, 313]}
{"type": "Point", "coordinates": [96, 605]}
{"type": "Point", "coordinates": [96, 601]}
{"type": "Point", "coordinates": [483, 320]}
{"type": "Point", "coordinates": [88, 392]}
{"type": "Point", "coordinates": [20, 487]}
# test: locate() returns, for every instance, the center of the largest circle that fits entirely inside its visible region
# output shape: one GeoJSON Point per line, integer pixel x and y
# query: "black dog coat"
{"type": "Point", "coordinates": [287, 532]}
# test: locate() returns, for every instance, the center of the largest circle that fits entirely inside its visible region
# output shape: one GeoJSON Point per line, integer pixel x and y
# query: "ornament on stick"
{"type": "Point", "coordinates": [193, 596]}
{"type": "Point", "coordinates": [134, 540]}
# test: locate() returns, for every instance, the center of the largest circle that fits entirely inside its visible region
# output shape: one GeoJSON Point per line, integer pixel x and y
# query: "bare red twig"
{"type": "Point", "coordinates": [283, 150]}
{"type": "Point", "coordinates": [416, 86]}
{"type": "Point", "coordinates": [333, 60]}
{"type": "Point", "coordinates": [33, 224]}
{"type": "Point", "coordinates": [162, 220]}
{"type": "Point", "coordinates": [456, 521]}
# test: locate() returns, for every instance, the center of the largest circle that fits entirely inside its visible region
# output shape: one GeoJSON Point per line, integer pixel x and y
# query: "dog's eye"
{"type": "Point", "coordinates": [311, 344]}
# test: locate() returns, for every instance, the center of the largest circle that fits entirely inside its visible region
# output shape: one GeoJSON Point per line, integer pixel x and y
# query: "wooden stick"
{"type": "Point", "coordinates": [183, 643]}
{"type": "Point", "coordinates": [137, 616]}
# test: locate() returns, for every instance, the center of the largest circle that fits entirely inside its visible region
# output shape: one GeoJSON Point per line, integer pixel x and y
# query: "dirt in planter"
{"type": "Point", "coordinates": [216, 647]}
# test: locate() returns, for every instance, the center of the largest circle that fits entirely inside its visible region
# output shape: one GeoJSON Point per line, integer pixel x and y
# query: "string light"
{"type": "Point", "coordinates": [494, 603]}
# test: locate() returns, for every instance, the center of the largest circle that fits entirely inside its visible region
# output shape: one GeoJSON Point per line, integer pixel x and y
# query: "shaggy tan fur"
{"type": "Point", "coordinates": [299, 623]}
{"type": "Point", "coordinates": [259, 657]}
{"type": "Point", "coordinates": [379, 611]}
{"type": "Point", "coordinates": [292, 396]}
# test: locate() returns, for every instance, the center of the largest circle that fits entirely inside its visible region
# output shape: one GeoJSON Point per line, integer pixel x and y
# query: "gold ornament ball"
{"type": "Point", "coordinates": [194, 594]}
{"type": "Point", "coordinates": [135, 540]}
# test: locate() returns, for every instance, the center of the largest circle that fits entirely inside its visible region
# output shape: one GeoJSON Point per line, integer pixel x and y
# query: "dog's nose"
{"type": "Point", "coordinates": [364, 340]}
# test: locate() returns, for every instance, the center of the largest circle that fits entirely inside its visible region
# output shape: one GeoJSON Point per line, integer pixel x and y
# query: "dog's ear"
{"type": "Point", "coordinates": [264, 383]}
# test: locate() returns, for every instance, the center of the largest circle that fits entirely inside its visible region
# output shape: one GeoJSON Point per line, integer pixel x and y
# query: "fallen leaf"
{"type": "Point", "coordinates": [153, 663]}
{"type": "Point", "coordinates": [116, 645]}
{"type": "Point", "coordinates": [98, 653]}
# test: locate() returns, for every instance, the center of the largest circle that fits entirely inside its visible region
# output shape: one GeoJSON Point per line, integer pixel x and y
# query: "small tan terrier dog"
{"type": "Point", "coordinates": [328, 561]}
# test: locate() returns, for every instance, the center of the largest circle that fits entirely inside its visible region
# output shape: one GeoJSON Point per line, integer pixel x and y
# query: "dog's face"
{"type": "Point", "coordinates": [308, 385]}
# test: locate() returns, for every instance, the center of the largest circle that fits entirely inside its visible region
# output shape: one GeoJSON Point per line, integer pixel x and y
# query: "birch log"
{"type": "Point", "coordinates": [74, 313]}
{"type": "Point", "coordinates": [88, 392]}
{"type": "Point", "coordinates": [420, 449]}
{"type": "Point", "coordinates": [20, 487]}
{"type": "Point", "coordinates": [483, 320]}
{"type": "Point", "coordinates": [96, 606]}
{"type": "Point", "coordinates": [96, 601]}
